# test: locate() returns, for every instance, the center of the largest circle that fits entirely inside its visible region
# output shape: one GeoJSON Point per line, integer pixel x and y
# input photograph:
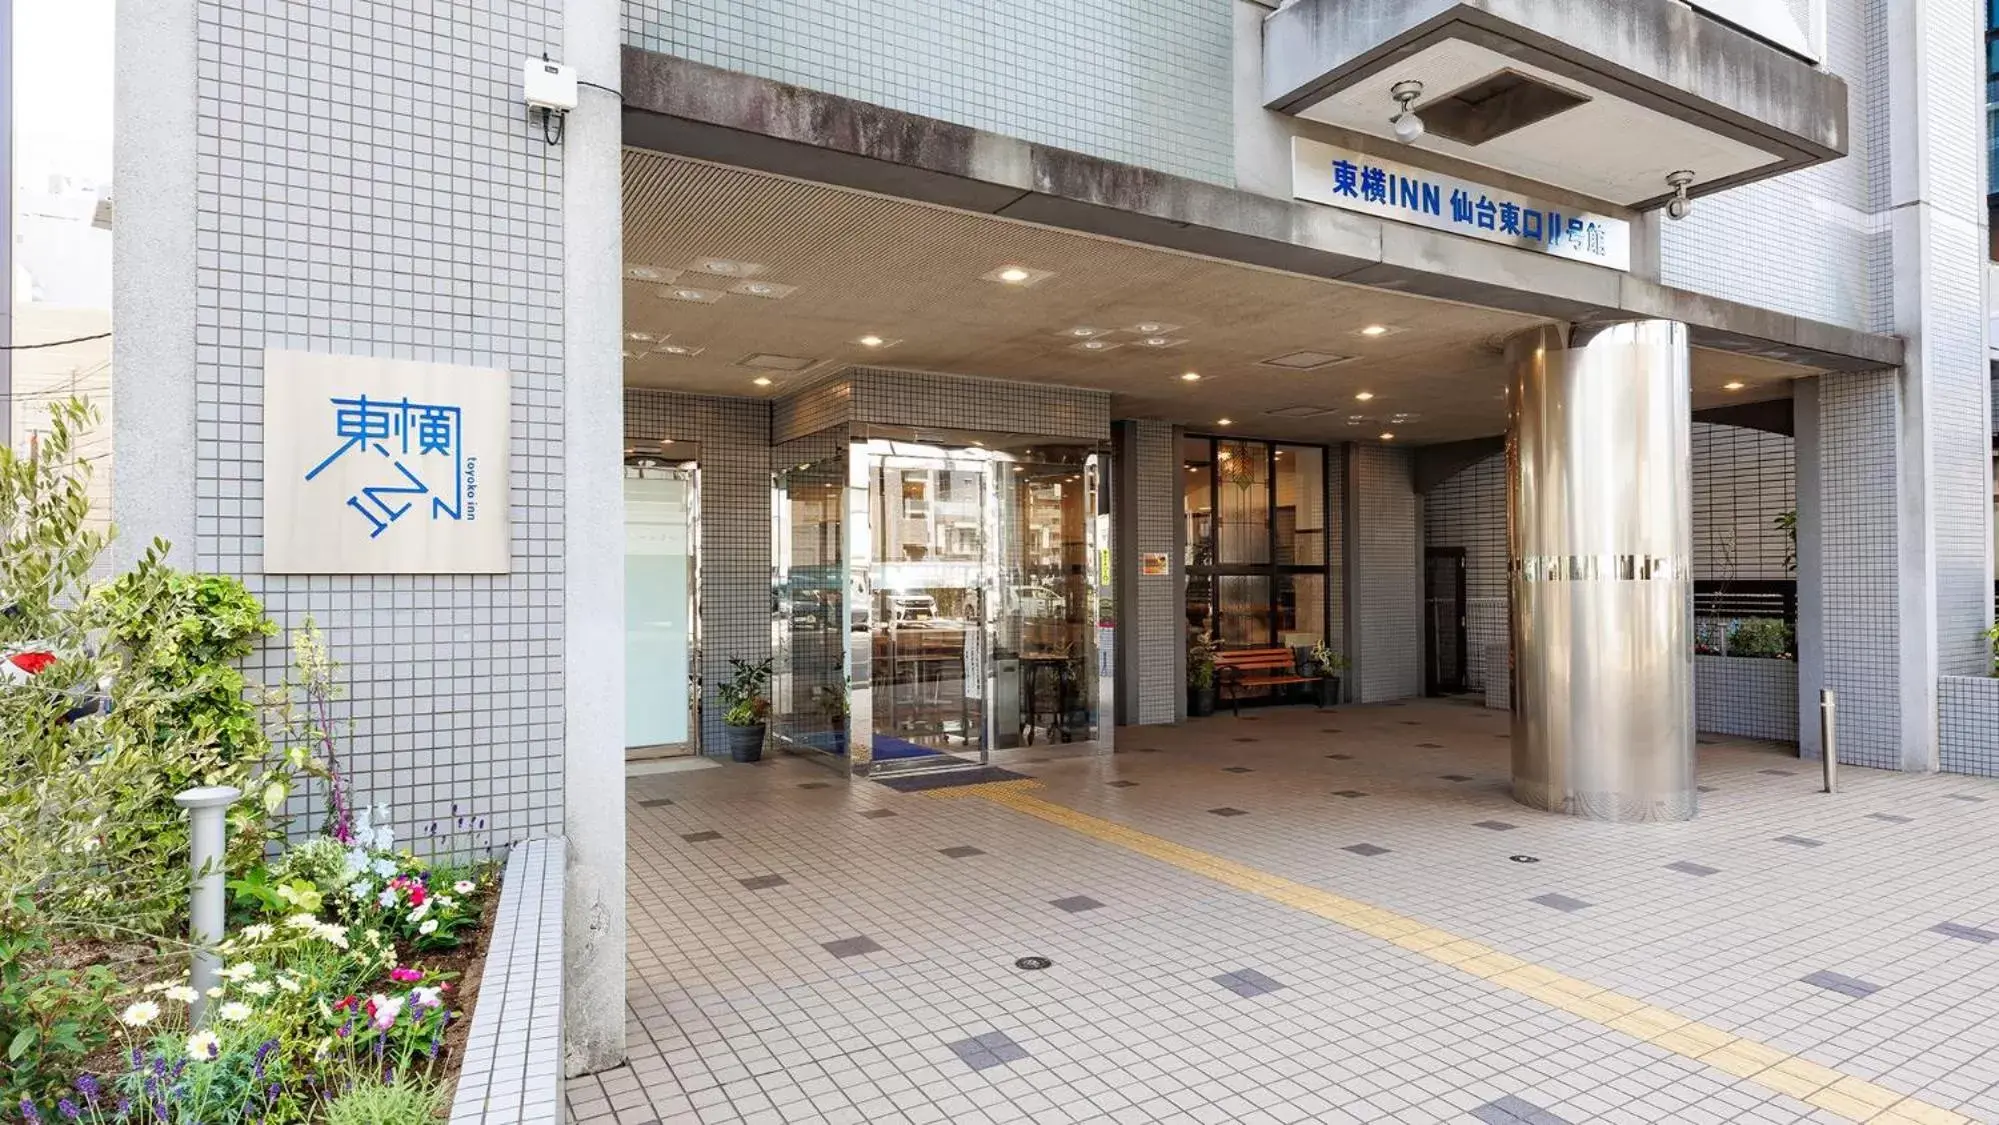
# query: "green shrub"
{"type": "Point", "coordinates": [743, 693]}
{"type": "Point", "coordinates": [51, 1018]}
{"type": "Point", "coordinates": [1762, 636]}
{"type": "Point", "coordinates": [372, 1102]}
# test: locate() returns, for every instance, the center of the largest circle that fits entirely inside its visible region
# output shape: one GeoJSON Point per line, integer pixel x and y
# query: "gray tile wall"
{"type": "Point", "coordinates": [1749, 697]}
{"type": "Point", "coordinates": [1968, 725]}
{"type": "Point", "coordinates": [1859, 471]}
{"type": "Point", "coordinates": [734, 533]}
{"type": "Point", "coordinates": [512, 1069]}
{"type": "Point", "coordinates": [1157, 616]}
{"type": "Point", "coordinates": [915, 398]}
{"type": "Point", "coordinates": [1387, 580]}
{"type": "Point", "coordinates": [1469, 511]}
{"type": "Point", "coordinates": [1145, 82]}
{"type": "Point", "coordinates": [368, 186]}
{"type": "Point", "coordinates": [812, 409]}
{"type": "Point", "coordinates": [1743, 480]}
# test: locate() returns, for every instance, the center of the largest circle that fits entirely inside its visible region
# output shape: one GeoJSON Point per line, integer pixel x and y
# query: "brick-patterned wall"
{"type": "Point", "coordinates": [368, 186]}
{"type": "Point", "coordinates": [734, 533]}
{"type": "Point", "coordinates": [1387, 581]}
{"type": "Point", "coordinates": [1747, 697]}
{"type": "Point", "coordinates": [1144, 82]}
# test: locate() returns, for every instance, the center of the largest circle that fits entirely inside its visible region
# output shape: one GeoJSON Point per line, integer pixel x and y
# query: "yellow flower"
{"type": "Point", "coordinates": [140, 1014]}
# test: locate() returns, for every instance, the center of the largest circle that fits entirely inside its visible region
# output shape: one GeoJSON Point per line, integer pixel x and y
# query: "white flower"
{"type": "Point", "coordinates": [234, 1012]}
{"type": "Point", "coordinates": [289, 984]}
{"type": "Point", "coordinates": [257, 932]}
{"type": "Point", "coordinates": [215, 993]}
{"type": "Point", "coordinates": [445, 902]}
{"type": "Point", "coordinates": [383, 868]}
{"type": "Point", "coordinates": [258, 988]}
{"type": "Point", "coordinates": [429, 927]}
{"type": "Point", "coordinates": [425, 997]}
{"type": "Point", "coordinates": [357, 861]}
{"type": "Point", "coordinates": [242, 970]}
{"type": "Point", "coordinates": [464, 886]}
{"type": "Point", "coordinates": [360, 890]}
{"type": "Point", "coordinates": [387, 898]}
{"type": "Point", "coordinates": [302, 922]}
{"type": "Point", "coordinates": [203, 1046]}
{"type": "Point", "coordinates": [337, 935]}
{"type": "Point", "coordinates": [180, 992]}
{"type": "Point", "coordinates": [385, 1011]}
{"type": "Point", "coordinates": [418, 914]}
{"type": "Point", "coordinates": [159, 986]}
{"type": "Point", "coordinates": [140, 1014]}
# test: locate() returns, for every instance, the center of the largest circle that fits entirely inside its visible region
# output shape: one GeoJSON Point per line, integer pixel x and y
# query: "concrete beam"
{"type": "Point", "coordinates": [681, 107]}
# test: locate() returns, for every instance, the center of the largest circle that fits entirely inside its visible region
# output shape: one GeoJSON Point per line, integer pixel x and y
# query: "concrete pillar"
{"type": "Point", "coordinates": [153, 278]}
{"type": "Point", "coordinates": [1811, 563]}
{"type": "Point", "coordinates": [593, 600]}
{"type": "Point", "coordinates": [1600, 537]}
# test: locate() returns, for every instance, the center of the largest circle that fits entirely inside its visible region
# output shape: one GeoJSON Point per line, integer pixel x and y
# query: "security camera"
{"type": "Point", "coordinates": [1679, 207]}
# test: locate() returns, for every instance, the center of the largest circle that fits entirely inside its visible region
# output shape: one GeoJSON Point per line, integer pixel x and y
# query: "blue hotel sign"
{"type": "Point", "coordinates": [1352, 181]}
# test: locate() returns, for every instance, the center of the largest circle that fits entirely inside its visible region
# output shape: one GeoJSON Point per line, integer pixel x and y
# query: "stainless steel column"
{"type": "Point", "coordinates": [1599, 531]}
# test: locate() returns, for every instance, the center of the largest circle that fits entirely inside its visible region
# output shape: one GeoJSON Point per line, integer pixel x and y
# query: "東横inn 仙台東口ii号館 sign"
{"type": "Point", "coordinates": [1353, 181]}
{"type": "Point", "coordinates": [384, 466]}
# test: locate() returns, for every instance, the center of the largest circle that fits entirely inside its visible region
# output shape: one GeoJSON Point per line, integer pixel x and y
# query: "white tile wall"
{"type": "Point", "coordinates": [368, 186]}
{"type": "Point", "coordinates": [1157, 618]}
{"type": "Point", "coordinates": [1144, 82]}
{"type": "Point", "coordinates": [1860, 544]}
{"type": "Point", "coordinates": [511, 1073]}
{"type": "Point", "coordinates": [1387, 580]}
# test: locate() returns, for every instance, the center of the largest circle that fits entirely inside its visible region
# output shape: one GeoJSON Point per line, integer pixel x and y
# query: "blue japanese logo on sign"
{"type": "Point", "coordinates": [422, 464]}
{"type": "Point", "coordinates": [1324, 174]}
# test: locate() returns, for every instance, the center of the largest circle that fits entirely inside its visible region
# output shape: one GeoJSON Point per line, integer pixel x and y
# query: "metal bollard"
{"type": "Point", "coordinates": [1829, 738]}
{"type": "Point", "coordinates": [208, 839]}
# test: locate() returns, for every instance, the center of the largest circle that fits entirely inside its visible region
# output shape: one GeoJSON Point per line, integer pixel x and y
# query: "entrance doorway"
{"type": "Point", "coordinates": [1444, 672]}
{"type": "Point", "coordinates": [659, 607]}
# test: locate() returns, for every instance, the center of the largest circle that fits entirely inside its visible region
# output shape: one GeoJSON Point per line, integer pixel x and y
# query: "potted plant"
{"type": "Point", "coordinates": [745, 707]}
{"type": "Point", "coordinates": [1327, 665]}
{"type": "Point", "coordinates": [831, 700]}
{"type": "Point", "coordinates": [1200, 675]}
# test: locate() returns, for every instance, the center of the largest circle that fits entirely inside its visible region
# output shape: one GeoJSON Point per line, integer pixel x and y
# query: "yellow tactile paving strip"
{"type": "Point", "coordinates": [1821, 1086]}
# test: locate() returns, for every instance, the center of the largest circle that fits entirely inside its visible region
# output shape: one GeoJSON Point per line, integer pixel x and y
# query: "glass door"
{"type": "Point", "coordinates": [931, 574]}
{"type": "Point", "coordinates": [658, 607]}
{"type": "Point", "coordinates": [1049, 616]}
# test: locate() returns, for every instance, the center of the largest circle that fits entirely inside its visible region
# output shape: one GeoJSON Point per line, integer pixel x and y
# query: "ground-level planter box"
{"type": "Point", "coordinates": [1968, 725]}
{"type": "Point", "coordinates": [511, 1073]}
{"type": "Point", "coordinates": [1746, 696]}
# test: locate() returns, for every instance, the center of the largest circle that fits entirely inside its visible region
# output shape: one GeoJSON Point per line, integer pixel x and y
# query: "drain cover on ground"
{"type": "Point", "coordinates": [1523, 859]}
{"type": "Point", "coordinates": [1032, 963]}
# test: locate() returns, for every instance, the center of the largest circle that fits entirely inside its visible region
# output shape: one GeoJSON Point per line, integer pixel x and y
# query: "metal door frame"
{"type": "Point", "coordinates": [1432, 685]}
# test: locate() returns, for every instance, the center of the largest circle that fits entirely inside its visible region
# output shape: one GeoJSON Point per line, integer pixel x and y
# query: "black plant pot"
{"type": "Point", "coordinates": [746, 744]}
{"type": "Point", "coordinates": [1201, 701]}
{"type": "Point", "coordinates": [1329, 691]}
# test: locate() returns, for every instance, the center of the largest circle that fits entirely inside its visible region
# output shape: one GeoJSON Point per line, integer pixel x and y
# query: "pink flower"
{"type": "Point", "coordinates": [405, 976]}
{"type": "Point", "coordinates": [383, 1010]}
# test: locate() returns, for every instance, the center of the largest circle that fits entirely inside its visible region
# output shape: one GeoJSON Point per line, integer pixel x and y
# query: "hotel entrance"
{"type": "Point", "coordinates": [948, 603]}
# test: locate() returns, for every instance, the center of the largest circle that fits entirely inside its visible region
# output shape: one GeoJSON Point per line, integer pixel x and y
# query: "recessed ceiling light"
{"type": "Point", "coordinates": [761, 380]}
{"type": "Point", "coordinates": [1373, 330]}
{"type": "Point", "coordinates": [642, 337]}
{"type": "Point", "coordinates": [1017, 275]}
{"type": "Point", "coordinates": [1364, 396]}
{"type": "Point", "coordinates": [1731, 386]}
{"type": "Point", "coordinates": [689, 293]}
{"type": "Point", "coordinates": [1162, 341]}
{"type": "Point", "coordinates": [1152, 328]}
{"type": "Point", "coordinates": [1223, 422]}
{"type": "Point", "coordinates": [666, 441]}
{"type": "Point", "coordinates": [1084, 331]}
{"type": "Point", "coordinates": [876, 342]}
{"type": "Point", "coordinates": [768, 290]}
{"type": "Point", "coordinates": [638, 272]}
{"type": "Point", "coordinates": [1093, 345]}
{"type": "Point", "coordinates": [678, 349]}
{"type": "Point", "coordinates": [1190, 376]}
{"type": "Point", "coordinates": [1386, 436]}
{"type": "Point", "coordinates": [728, 267]}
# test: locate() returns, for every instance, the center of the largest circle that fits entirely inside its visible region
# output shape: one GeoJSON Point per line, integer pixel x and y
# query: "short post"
{"type": "Point", "coordinates": [1829, 738]}
{"type": "Point", "coordinates": [208, 840]}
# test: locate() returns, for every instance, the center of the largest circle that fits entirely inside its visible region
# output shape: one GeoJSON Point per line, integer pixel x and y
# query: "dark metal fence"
{"type": "Point", "coordinates": [1738, 599]}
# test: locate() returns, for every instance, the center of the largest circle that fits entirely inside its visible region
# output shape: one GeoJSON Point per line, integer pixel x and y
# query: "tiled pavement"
{"type": "Point", "coordinates": [799, 954]}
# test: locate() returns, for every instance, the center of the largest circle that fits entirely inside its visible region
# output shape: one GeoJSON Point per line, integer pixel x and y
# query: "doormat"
{"type": "Point", "coordinates": [949, 779]}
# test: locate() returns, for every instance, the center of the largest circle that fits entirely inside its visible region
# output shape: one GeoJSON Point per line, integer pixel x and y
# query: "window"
{"type": "Point", "coordinates": [1256, 517]}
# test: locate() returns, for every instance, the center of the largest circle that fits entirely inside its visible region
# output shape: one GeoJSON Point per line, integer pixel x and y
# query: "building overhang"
{"type": "Point", "coordinates": [1603, 99]}
{"type": "Point", "coordinates": [684, 108]}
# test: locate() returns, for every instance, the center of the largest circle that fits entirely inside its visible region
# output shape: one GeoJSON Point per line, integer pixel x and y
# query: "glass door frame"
{"type": "Point", "coordinates": [689, 467]}
{"type": "Point", "coordinates": [1214, 570]}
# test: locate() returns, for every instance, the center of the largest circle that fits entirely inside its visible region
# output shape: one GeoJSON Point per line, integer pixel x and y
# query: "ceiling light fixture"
{"type": "Point", "coordinates": [1190, 376]}
{"type": "Point", "coordinates": [678, 349]}
{"type": "Point", "coordinates": [1223, 422]}
{"type": "Point", "coordinates": [769, 290]}
{"type": "Point", "coordinates": [1387, 436]}
{"type": "Point", "coordinates": [1093, 345]}
{"type": "Point", "coordinates": [1013, 275]}
{"type": "Point", "coordinates": [1732, 386]}
{"type": "Point", "coordinates": [1364, 396]}
{"type": "Point", "coordinates": [666, 441]}
{"type": "Point", "coordinates": [870, 341]}
{"type": "Point", "coordinates": [1408, 126]}
{"type": "Point", "coordinates": [1083, 331]}
{"type": "Point", "coordinates": [1375, 330]}
{"type": "Point", "coordinates": [1016, 275]}
{"type": "Point", "coordinates": [642, 337]}
{"type": "Point", "coordinates": [761, 380]}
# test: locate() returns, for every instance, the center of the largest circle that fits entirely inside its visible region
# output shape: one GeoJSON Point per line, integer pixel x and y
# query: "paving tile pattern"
{"type": "Point", "coordinates": [739, 1013]}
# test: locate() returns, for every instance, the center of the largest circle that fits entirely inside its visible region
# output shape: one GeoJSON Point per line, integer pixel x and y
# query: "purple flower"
{"type": "Point", "coordinates": [138, 1060]}
{"type": "Point", "coordinates": [28, 1113]}
{"type": "Point", "coordinates": [271, 1093]}
{"type": "Point", "coordinates": [68, 1109]}
{"type": "Point", "coordinates": [124, 1108]}
{"type": "Point", "coordinates": [87, 1085]}
{"type": "Point", "coordinates": [263, 1053]}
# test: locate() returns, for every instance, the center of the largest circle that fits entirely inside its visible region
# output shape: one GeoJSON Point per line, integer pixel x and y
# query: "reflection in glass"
{"type": "Point", "coordinates": [1046, 618]}
{"type": "Point", "coordinates": [1197, 506]}
{"type": "Point", "coordinates": [1301, 610]}
{"type": "Point", "coordinates": [1243, 616]}
{"type": "Point", "coordinates": [808, 687]}
{"type": "Point", "coordinates": [1301, 505]}
{"type": "Point", "coordinates": [931, 579]}
{"type": "Point", "coordinates": [1242, 499]}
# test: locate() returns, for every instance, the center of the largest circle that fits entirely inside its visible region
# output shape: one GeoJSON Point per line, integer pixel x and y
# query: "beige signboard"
{"type": "Point", "coordinates": [384, 466]}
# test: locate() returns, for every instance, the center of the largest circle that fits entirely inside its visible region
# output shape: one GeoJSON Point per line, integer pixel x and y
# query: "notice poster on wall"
{"type": "Point", "coordinates": [1152, 564]}
{"type": "Point", "coordinates": [384, 466]}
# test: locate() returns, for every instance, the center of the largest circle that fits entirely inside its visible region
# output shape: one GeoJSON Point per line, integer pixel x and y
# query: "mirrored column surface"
{"type": "Point", "coordinates": [1599, 542]}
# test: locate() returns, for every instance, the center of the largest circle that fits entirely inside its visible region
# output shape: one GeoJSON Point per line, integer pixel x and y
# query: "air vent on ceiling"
{"type": "Point", "coordinates": [1495, 106]}
{"type": "Point", "coordinates": [765, 361]}
{"type": "Point", "coordinates": [1303, 361]}
{"type": "Point", "coordinates": [1300, 411]}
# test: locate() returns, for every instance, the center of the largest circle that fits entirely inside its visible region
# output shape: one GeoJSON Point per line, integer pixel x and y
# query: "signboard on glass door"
{"type": "Point", "coordinates": [384, 466]}
{"type": "Point", "coordinates": [1387, 189]}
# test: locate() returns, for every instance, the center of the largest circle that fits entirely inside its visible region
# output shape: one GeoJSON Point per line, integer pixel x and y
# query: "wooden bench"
{"type": "Point", "coordinates": [1246, 669]}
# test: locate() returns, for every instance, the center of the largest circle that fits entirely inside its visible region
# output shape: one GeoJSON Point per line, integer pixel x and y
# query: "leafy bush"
{"type": "Point", "coordinates": [1200, 661]}
{"type": "Point", "coordinates": [51, 1017]}
{"type": "Point", "coordinates": [386, 1103]}
{"type": "Point", "coordinates": [1762, 636]}
{"type": "Point", "coordinates": [743, 694]}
